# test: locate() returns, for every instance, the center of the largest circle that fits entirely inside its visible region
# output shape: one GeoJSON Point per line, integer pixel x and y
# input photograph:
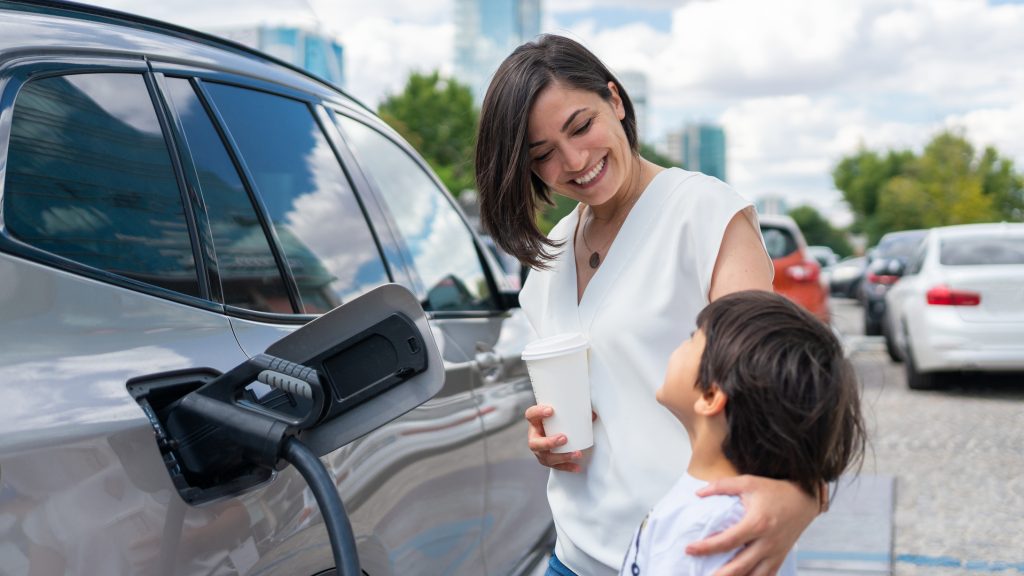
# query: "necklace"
{"type": "Point", "coordinates": [595, 255]}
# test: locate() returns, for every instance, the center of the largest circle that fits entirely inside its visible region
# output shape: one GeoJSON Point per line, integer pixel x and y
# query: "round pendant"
{"type": "Point", "coordinates": [595, 260]}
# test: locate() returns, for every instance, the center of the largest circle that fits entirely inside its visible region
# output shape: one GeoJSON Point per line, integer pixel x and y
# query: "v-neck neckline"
{"type": "Point", "coordinates": [627, 236]}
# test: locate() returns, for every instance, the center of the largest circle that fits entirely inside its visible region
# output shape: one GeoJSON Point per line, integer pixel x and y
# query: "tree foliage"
{"type": "Point", "coordinates": [818, 231]}
{"type": "Point", "coordinates": [948, 183]}
{"type": "Point", "coordinates": [437, 116]}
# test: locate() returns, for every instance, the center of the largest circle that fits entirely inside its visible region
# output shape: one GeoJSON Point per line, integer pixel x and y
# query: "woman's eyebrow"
{"type": "Point", "coordinates": [564, 126]}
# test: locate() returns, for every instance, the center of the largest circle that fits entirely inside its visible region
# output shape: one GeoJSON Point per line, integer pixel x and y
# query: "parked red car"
{"type": "Point", "coordinates": [797, 274]}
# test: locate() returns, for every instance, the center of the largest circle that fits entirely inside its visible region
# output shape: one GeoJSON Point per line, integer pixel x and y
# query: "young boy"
{"type": "Point", "coordinates": [762, 388]}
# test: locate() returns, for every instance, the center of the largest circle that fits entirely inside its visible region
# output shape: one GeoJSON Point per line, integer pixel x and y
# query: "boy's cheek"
{"type": "Point", "coordinates": [660, 395]}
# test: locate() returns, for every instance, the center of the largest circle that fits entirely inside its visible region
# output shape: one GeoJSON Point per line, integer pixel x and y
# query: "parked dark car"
{"type": "Point", "coordinates": [176, 204]}
{"type": "Point", "coordinates": [885, 266]}
{"type": "Point", "coordinates": [845, 277]}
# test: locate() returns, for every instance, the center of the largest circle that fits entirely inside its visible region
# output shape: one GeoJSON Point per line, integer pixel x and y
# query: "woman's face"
{"type": "Point", "coordinates": [577, 144]}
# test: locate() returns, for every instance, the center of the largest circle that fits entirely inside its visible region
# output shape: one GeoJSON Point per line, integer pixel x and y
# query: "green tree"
{"type": "Point", "coordinates": [947, 184]}
{"type": "Point", "coordinates": [818, 231]}
{"type": "Point", "coordinates": [436, 115]}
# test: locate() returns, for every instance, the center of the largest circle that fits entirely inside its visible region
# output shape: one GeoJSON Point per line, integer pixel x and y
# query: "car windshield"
{"type": "Point", "coordinates": [779, 241]}
{"type": "Point", "coordinates": [982, 251]}
{"type": "Point", "coordinates": [899, 246]}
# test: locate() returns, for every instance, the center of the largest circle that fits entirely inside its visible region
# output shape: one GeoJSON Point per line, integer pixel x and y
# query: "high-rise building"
{"type": "Point", "coordinates": [314, 52]}
{"type": "Point", "coordinates": [635, 84]}
{"type": "Point", "coordinates": [699, 147]}
{"type": "Point", "coordinates": [486, 31]}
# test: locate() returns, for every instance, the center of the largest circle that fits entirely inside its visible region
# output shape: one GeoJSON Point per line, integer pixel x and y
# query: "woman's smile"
{"type": "Point", "coordinates": [592, 176]}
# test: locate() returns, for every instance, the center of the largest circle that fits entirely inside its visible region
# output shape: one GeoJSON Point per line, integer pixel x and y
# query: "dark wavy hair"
{"type": "Point", "coordinates": [793, 407]}
{"type": "Point", "coordinates": [510, 193]}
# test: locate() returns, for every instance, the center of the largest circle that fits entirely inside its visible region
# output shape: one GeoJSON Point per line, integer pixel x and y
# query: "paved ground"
{"type": "Point", "coordinates": [957, 456]}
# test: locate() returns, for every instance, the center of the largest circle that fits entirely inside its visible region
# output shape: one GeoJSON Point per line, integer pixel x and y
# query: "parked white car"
{"type": "Point", "coordinates": [960, 303]}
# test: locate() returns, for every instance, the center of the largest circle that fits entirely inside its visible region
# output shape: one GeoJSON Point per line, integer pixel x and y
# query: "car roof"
{"type": "Point", "coordinates": [974, 229]}
{"type": "Point", "coordinates": [780, 220]}
{"type": "Point", "coordinates": [35, 26]}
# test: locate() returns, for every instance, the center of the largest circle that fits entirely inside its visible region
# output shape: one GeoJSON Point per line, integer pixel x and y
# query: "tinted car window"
{"type": "Point", "coordinates": [89, 177]}
{"type": "Point", "coordinates": [982, 251]}
{"type": "Point", "coordinates": [898, 246]}
{"type": "Point", "coordinates": [248, 271]}
{"type": "Point", "coordinates": [318, 221]}
{"type": "Point", "coordinates": [779, 241]}
{"type": "Point", "coordinates": [441, 246]}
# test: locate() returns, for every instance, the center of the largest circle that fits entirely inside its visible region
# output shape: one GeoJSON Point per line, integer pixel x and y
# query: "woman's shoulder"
{"type": "Point", "coordinates": [696, 188]}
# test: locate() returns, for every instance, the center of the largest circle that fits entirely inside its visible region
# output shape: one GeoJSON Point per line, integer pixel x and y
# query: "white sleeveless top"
{"type": "Point", "coordinates": [639, 306]}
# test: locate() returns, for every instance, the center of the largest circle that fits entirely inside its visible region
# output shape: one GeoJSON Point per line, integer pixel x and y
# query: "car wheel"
{"type": "Point", "coordinates": [872, 327]}
{"type": "Point", "coordinates": [890, 345]}
{"type": "Point", "coordinates": [916, 380]}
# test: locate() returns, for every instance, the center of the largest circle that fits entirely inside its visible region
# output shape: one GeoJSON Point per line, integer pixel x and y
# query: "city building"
{"type": "Point", "coordinates": [314, 52]}
{"type": "Point", "coordinates": [486, 31]}
{"type": "Point", "coordinates": [699, 147]}
{"type": "Point", "coordinates": [635, 84]}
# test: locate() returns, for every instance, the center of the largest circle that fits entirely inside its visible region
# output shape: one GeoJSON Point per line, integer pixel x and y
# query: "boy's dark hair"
{"type": "Point", "coordinates": [793, 408]}
{"type": "Point", "coordinates": [510, 193]}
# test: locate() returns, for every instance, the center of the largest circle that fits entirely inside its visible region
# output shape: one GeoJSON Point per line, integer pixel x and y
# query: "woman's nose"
{"type": "Point", "coordinates": [574, 160]}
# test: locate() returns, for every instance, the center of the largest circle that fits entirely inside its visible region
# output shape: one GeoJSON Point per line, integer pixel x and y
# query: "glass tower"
{"type": "Point", "coordinates": [486, 31]}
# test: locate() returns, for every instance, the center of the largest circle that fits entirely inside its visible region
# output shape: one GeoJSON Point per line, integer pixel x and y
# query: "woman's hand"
{"type": "Point", "coordinates": [777, 512]}
{"type": "Point", "coordinates": [542, 445]}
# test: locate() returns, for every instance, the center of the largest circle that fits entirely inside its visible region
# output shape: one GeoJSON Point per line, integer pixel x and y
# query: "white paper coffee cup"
{"type": "Point", "coordinates": [561, 379]}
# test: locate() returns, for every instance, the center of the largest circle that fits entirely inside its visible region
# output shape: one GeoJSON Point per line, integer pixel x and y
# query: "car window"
{"type": "Point", "coordinates": [982, 251]}
{"type": "Point", "coordinates": [779, 241]}
{"type": "Point", "coordinates": [902, 245]}
{"type": "Point", "coordinates": [89, 178]}
{"type": "Point", "coordinates": [441, 246]}
{"type": "Point", "coordinates": [917, 260]}
{"type": "Point", "coordinates": [315, 214]}
{"type": "Point", "coordinates": [248, 271]}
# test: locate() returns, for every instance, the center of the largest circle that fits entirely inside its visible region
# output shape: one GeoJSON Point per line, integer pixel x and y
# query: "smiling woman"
{"type": "Point", "coordinates": [645, 249]}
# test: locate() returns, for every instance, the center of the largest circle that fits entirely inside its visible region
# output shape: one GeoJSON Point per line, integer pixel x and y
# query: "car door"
{"type": "Point", "coordinates": [410, 488]}
{"type": "Point", "coordinates": [455, 279]}
{"type": "Point", "coordinates": [102, 279]}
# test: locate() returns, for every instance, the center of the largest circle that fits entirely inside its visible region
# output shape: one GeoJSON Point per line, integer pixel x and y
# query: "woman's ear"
{"type": "Point", "coordinates": [712, 402]}
{"type": "Point", "coordinates": [616, 100]}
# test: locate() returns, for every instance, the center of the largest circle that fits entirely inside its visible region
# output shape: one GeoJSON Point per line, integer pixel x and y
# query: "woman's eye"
{"type": "Point", "coordinates": [542, 157]}
{"type": "Point", "coordinates": [584, 127]}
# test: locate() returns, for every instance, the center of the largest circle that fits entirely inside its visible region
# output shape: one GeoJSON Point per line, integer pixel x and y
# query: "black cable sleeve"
{"type": "Point", "coordinates": [339, 530]}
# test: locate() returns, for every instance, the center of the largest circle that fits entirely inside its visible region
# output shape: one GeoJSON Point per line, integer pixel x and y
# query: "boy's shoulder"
{"type": "Point", "coordinates": [681, 512]}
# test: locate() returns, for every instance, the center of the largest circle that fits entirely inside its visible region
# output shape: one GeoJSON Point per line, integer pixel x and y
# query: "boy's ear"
{"type": "Point", "coordinates": [712, 402]}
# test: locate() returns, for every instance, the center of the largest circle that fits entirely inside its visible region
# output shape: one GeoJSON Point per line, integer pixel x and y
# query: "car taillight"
{"type": "Point", "coordinates": [806, 272]}
{"type": "Point", "coordinates": [945, 296]}
{"type": "Point", "coordinates": [882, 278]}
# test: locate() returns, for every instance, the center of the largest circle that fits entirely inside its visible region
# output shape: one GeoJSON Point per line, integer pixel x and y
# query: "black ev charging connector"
{"type": "Point", "coordinates": [218, 435]}
{"type": "Point", "coordinates": [335, 379]}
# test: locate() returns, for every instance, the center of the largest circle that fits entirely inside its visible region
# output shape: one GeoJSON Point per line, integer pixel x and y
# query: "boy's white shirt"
{"type": "Point", "coordinates": [658, 547]}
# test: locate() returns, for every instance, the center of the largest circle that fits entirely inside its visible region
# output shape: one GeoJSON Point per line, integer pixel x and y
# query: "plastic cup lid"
{"type": "Point", "coordinates": [557, 345]}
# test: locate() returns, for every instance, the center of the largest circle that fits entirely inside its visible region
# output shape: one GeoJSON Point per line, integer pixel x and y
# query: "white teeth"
{"type": "Point", "coordinates": [586, 178]}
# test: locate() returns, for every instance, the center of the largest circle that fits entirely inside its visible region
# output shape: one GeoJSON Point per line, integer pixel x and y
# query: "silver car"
{"type": "Point", "coordinates": [960, 303]}
{"type": "Point", "coordinates": [172, 205]}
